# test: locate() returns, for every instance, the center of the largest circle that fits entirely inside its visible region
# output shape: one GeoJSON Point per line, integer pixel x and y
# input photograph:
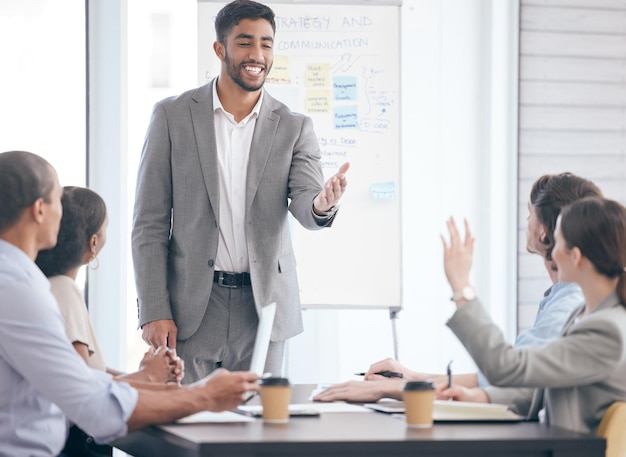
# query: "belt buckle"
{"type": "Point", "coordinates": [220, 282]}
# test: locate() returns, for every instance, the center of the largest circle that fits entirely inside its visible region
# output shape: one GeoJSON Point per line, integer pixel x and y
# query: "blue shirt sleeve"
{"type": "Point", "coordinates": [554, 310]}
{"type": "Point", "coordinates": [43, 367]}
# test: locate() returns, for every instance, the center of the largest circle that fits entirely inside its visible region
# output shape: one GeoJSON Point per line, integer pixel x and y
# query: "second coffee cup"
{"type": "Point", "coordinates": [418, 403]}
{"type": "Point", "coordinates": [275, 397]}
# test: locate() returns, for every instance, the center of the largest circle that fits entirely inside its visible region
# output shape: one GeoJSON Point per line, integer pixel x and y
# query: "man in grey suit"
{"type": "Point", "coordinates": [221, 167]}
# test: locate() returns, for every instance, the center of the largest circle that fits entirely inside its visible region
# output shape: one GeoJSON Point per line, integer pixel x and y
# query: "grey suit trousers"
{"type": "Point", "coordinates": [230, 343]}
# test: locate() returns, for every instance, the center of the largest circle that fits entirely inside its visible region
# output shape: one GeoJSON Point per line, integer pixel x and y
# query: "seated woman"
{"type": "Point", "coordinates": [548, 195]}
{"type": "Point", "coordinates": [82, 235]}
{"type": "Point", "coordinates": [579, 375]}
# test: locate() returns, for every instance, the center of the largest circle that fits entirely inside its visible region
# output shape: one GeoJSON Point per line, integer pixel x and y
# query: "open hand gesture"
{"type": "Point", "coordinates": [332, 191]}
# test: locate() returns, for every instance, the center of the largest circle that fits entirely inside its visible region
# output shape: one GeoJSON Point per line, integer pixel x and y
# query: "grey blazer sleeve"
{"type": "Point", "coordinates": [306, 178]}
{"type": "Point", "coordinates": [151, 221]}
{"type": "Point", "coordinates": [519, 399]}
{"type": "Point", "coordinates": [588, 353]}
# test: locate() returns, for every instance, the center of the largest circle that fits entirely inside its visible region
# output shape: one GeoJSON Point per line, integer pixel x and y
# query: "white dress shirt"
{"type": "Point", "coordinates": [233, 153]}
{"type": "Point", "coordinates": [43, 380]}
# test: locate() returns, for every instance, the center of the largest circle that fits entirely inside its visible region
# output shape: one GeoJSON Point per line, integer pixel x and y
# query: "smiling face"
{"type": "Point", "coordinates": [247, 56]}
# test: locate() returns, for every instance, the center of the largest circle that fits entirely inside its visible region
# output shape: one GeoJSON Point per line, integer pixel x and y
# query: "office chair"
{"type": "Point", "coordinates": [613, 429]}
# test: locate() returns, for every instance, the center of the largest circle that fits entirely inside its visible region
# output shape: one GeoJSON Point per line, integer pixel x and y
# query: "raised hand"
{"type": "Point", "coordinates": [457, 256]}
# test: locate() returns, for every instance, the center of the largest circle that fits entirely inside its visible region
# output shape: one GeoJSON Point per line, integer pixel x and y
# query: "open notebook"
{"type": "Point", "coordinates": [451, 411]}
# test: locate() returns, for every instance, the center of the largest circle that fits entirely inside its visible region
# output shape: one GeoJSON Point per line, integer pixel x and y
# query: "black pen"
{"type": "Point", "coordinates": [386, 374]}
{"type": "Point", "coordinates": [249, 397]}
{"type": "Point", "coordinates": [449, 373]}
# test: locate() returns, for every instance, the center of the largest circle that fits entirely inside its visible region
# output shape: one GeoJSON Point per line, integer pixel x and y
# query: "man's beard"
{"type": "Point", "coordinates": [234, 72]}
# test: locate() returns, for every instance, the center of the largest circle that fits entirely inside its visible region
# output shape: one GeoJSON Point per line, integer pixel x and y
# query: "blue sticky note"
{"type": "Point", "coordinates": [344, 88]}
{"type": "Point", "coordinates": [345, 117]}
{"type": "Point", "coordinates": [383, 190]}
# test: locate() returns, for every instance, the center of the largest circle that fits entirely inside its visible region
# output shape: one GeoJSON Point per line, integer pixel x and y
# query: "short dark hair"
{"type": "Point", "coordinates": [24, 178]}
{"type": "Point", "coordinates": [597, 226]}
{"type": "Point", "coordinates": [84, 213]}
{"type": "Point", "coordinates": [229, 16]}
{"type": "Point", "coordinates": [551, 193]}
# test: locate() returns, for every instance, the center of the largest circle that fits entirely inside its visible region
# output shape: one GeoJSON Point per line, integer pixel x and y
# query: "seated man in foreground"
{"type": "Point", "coordinates": [43, 381]}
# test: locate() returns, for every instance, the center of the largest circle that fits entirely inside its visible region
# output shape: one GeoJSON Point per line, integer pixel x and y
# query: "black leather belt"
{"type": "Point", "coordinates": [231, 280]}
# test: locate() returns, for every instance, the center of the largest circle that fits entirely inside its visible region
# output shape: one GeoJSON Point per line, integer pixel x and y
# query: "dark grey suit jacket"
{"type": "Point", "coordinates": [576, 377]}
{"type": "Point", "coordinates": [176, 215]}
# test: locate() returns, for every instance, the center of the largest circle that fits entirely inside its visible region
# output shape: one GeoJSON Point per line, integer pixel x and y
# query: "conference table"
{"type": "Point", "coordinates": [357, 434]}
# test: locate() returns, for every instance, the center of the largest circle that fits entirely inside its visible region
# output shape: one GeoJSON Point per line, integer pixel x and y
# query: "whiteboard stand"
{"type": "Point", "coordinates": [393, 317]}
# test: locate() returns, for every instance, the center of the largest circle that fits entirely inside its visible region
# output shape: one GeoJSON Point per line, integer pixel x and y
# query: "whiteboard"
{"type": "Point", "coordinates": [340, 65]}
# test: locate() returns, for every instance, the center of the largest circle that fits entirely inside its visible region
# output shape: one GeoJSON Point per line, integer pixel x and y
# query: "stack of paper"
{"type": "Point", "coordinates": [309, 409]}
{"type": "Point", "coordinates": [207, 417]}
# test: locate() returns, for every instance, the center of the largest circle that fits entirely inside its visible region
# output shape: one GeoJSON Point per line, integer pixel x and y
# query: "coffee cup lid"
{"type": "Point", "coordinates": [419, 385]}
{"type": "Point", "coordinates": [274, 381]}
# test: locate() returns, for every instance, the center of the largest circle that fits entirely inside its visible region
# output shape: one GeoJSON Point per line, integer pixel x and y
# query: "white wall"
{"type": "Point", "coordinates": [572, 108]}
{"type": "Point", "coordinates": [42, 109]}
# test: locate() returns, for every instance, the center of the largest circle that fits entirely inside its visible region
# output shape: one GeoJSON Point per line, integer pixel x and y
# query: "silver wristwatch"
{"type": "Point", "coordinates": [467, 293]}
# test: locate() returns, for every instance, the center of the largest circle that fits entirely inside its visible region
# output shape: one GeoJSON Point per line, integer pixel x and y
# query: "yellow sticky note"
{"type": "Point", "coordinates": [317, 101]}
{"type": "Point", "coordinates": [317, 75]}
{"type": "Point", "coordinates": [281, 71]}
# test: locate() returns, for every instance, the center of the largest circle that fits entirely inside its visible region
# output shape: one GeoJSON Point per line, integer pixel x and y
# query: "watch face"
{"type": "Point", "coordinates": [468, 293]}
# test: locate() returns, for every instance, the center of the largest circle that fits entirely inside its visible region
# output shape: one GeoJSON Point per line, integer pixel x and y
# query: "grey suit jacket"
{"type": "Point", "coordinates": [576, 376]}
{"type": "Point", "coordinates": [176, 214]}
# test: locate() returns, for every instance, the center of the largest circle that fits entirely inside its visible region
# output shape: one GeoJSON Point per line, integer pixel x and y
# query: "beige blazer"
{"type": "Point", "coordinates": [176, 214]}
{"type": "Point", "coordinates": [576, 376]}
